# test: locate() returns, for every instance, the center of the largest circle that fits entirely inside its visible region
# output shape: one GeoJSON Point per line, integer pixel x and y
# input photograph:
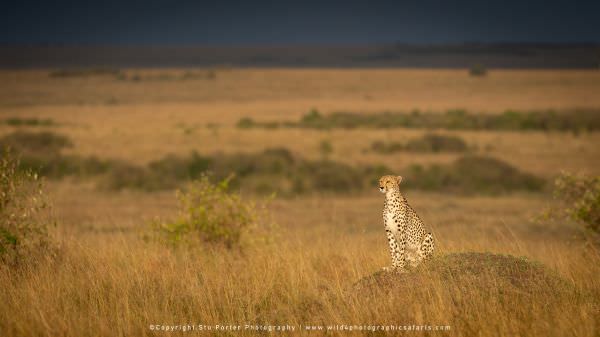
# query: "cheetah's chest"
{"type": "Point", "coordinates": [392, 218]}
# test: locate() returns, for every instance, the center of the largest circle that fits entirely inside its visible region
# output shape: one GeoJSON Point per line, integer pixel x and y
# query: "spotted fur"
{"type": "Point", "coordinates": [404, 229]}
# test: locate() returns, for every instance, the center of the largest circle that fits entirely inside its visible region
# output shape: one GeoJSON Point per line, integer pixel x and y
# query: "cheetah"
{"type": "Point", "coordinates": [404, 229]}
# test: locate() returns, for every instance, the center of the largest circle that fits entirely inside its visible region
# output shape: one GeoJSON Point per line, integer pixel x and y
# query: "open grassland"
{"type": "Point", "coordinates": [297, 90]}
{"type": "Point", "coordinates": [109, 279]}
{"type": "Point", "coordinates": [141, 121]}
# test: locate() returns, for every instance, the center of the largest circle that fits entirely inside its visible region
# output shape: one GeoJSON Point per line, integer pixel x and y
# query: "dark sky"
{"type": "Point", "coordinates": [301, 22]}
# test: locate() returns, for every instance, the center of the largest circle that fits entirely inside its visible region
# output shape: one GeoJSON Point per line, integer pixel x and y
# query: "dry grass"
{"type": "Point", "coordinates": [109, 281]}
{"type": "Point", "coordinates": [114, 283]}
{"type": "Point", "coordinates": [150, 119]}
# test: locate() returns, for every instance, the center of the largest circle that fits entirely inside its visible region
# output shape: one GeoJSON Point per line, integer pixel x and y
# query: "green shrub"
{"type": "Point", "coordinates": [127, 176]}
{"type": "Point", "coordinates": [325, 148]}
{"type": "Point", "coordinates": [312, 117]}
{"type": "Point", "coordinates": [245, 123]}
{"type": "Point", "coordinates": [270, 161]}
{"type": "Point", "coordinates": [581, 196]}
{"type": "Point", "coordinates": [386, 148]}
{"type": "Point", "coordinates": [486, 174]}
{"type": "Point", "coordinates": [213, 215]}
{"type": "Point", "coordinates": [168, 172]}
{"type": "Point", "coordinates": [59, 166]}
{"type": "Point", "coordinates": [45, 143]}
{"type": "Point", "coordinates": [248, 123]}
{"type": "Point", "coordinates": [18, 121]}
{"type": "Point", "coordinates": [330, 176]}
{"type": "Point", "coordinates": [436, 143]}
{"type": "Point", "coordinates": [427, 143]}
{"type": "Point", "coordinates": [171, 171]}
{"type": "Point", "coordinates": [41, 152]}
{"type": "Point", "coordinates": [473, 174]}
{"type": "Point", "coordinates": [478, 70]}
{"type": "Point", "coordinates": [179, 168]}
{"type": "Point", "coordinates": [22, 234]}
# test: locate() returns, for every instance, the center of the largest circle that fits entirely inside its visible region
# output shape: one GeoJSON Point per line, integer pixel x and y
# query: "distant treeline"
{"type": "Point", "coordinates": [272, 170]}
{"type": "Point", "coordinates": [492, 55]}
{"type": "Point", "coordinates": [548, 120]}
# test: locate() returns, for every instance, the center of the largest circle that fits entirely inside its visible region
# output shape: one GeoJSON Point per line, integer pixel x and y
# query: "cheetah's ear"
{"type": "Point", "coordinates": [399, 178]}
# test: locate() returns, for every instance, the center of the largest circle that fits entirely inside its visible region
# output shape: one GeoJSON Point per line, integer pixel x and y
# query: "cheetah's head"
{"type": "Point", "coordinates": [388, 183]}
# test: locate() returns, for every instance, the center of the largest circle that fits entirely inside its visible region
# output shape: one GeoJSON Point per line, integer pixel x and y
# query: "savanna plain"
{"type": "Point", "coordinates": [287, 229]}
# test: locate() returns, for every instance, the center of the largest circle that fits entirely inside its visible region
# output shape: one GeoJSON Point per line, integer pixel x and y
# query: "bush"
{"type": "Point", "coordinates": [22, 235]}
{"type": "Point", "coordinates": [330, 176]}
{"type": "Point", "coordinates": [127, 176]}
{"type": "Point", "coordinates": [436, 143]}
{"type": "Point", "coordinates": [41, 152]}
{"type": "Point", "coordinates": [386, 148]}
{"type": "Point", "coordinates": [168, 172]}
{"type": "Point", "coordinates": [581, 196]}
{"type": "Point", "coordinates": [44, 143]}
{"type": "Point", "coordinates": [473, 174]}
{"type": "Point", "coordinates": [213, 215]}
{"type": "Point", "coordinates": [325, 148]}
{"type": "Point", "coordinates": [270, 161]}
{"type": "Point", "coordinates": [427, 143]}
{"type": "Point", "coordinates": [245, 123]}
{"type": "Point", "coordinates": [312, 117]}
{"type": "Point", "coordinates": [180, 168]}
{"type": "Point", "coordinates": [17, 121]}
{"type": "Point", "coordinates": [486, 174]}
{"type": "Point", "coordinates": [171, 171]}
{"type": "Point", "coordinates": [478, 70]}
{"type": "Point", "coordinates": [248, 123]}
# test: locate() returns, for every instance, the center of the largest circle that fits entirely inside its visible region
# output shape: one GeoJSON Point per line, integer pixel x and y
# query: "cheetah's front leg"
{"type": "Point", "coordinates": [396, 252]}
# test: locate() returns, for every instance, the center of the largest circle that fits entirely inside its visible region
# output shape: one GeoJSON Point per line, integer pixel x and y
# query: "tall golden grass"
{"type": "Point", "coordinates": [109, 281]}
